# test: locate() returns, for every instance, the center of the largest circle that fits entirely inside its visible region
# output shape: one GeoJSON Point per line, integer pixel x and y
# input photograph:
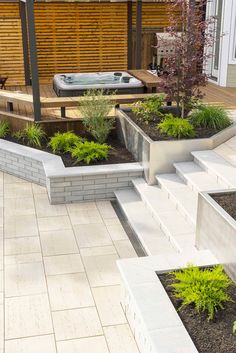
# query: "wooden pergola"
{"type": "Point", "coordinates": [30, 46]}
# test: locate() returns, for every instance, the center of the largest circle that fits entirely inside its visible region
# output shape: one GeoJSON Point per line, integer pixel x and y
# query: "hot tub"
{"type": "Point", "coordinates": [69, 85]}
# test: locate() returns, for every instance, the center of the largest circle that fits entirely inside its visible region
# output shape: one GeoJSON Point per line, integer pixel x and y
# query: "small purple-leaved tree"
{"type": "Point", "coordinates": [184, 68]}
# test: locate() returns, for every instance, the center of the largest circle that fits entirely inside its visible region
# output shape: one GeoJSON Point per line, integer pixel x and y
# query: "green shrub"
{"type": "Point", "coordinates": [90, 151]}
{"type": "Point", "coordinates": [95, 110]}
{"type": "Point", "coordinates": [63, 142]}
{"type": "Point", "coordinates": [176, 127]}
{"type": "Point", "coordinates": [32, 135]}
{"type": "Point", "coordinates": [205, 288]}
{"type": "Point", "coordinates": [210, 117]}
{"type": "Point", "coordinates": [4, 128]}
{"type": "Point", "coordinates": [148, 108]}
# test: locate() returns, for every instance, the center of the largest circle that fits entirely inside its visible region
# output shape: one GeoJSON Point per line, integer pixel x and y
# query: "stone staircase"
{"type": "Point", "coordinates": [163, 216]}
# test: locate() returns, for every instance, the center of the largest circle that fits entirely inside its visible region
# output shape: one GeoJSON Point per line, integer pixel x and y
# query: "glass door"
{"type": "Point", "coordinates": [216, 12]}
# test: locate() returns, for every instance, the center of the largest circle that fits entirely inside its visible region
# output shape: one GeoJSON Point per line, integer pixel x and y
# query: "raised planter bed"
{"type": "Point", "coordinates": [63, 184]}
{"type": "Point", "coordinates": [158, 156]}
{"type": "Point", "coordinates": [154, 321]}
{"type": "Point", "coordinates": [216, 228]}
{"type": "Point", "coordinates": [207, 335]}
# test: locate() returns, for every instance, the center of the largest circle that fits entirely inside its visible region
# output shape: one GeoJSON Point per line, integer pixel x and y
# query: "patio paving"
{"type": "Point", "coordinates": [59, 284]}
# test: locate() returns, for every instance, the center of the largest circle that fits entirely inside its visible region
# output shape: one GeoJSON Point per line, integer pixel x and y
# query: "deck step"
{"type": "Point", "coordinates": [182, 196]}
{"type": "Point", "coordinates": [196, 178]}
{"type": "Point", "coordinates": [143, 224]}
{"type": "Point", "coordinates": [164, 211]}
{"type": "Point", "coordinates": [217, 167]}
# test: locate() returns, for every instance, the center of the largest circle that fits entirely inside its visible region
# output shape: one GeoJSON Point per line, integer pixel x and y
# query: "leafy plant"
{"type": "Point", "coordinates": [176, 127]}
{"type": "Point", "coordinates": [95, 109]}
{"type": "Point", "coordinates": [32, 135]}
{"type": "Point", "coordinates": [63, 142]}
{"type": "Point", "coordinates": [234, 327]}
{"type": "Point", "coordinates": [192, 35]}
{"type": "Point", "coordinates": [4, 128]}
{"type": "Point", "coordinates": [210, 117]}
{"type": "Point", "coordinates": [90, 151]}
{"type": "Point", "coordinates": [149, 107]}
{"type": "Point", "coordinates": [205, 288]}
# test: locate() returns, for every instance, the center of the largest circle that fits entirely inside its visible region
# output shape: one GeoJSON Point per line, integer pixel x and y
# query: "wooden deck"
{"type": "Point", "coordinates": [213, 94]}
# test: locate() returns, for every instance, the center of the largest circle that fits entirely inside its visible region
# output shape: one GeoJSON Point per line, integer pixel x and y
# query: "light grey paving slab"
{"type": "Point", "coordinates": [44, 209]}
{"type": "Point", "coordinates": [58, 242]}
{"type": "Point", "coordinates": [77, 323]}
{"type": "Point", "coordinates": [20, 246]}
{"type": "Point", "coordinates": [84, 345]}
{"type": "Point", "coordinates": [88, 216]}
{"type": "Point", "coordinates": [23, 259]}
{"type": "Point", "coordinates": [108, 303]}
{"type": "Point", "coordinates": [120, 339]}
{"type": "Point", "coordinates": [18, 190]}
{"type": "Point", "coordinates": [98, 250]}
{"type": "Point", "coordinates": [19, 206]}
{"type": "Point", "coordinates": [53, 223]}
{"type": "Point", "coordinates": [36, 344]}
{"type": "Point", "coordinates": [20, 225]}
{"type": "Point", "coordinates": [63, 264]}
{"type": "Point", "coordinates": [124, 248]}
{"type": "Point", "coordinates": [89, 235]}
{"type": "Point", "coordinates": [27, 316]}
{"type": "Point", "coordinates": [102, 270]}
{"type": "Point", "coordinates": [69, 291]}
{"type": "Point", "coordinates": [24, 279]}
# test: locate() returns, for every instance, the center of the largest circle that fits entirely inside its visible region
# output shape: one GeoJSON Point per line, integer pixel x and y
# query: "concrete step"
{"type": "Point", "coordinates": [217, 167]}
{"type": "Point", "coordinates": [183, 197]}
{"type": "Point", "coordinates": [164, 211]}
{"type": "Point", "coordinates": [196, 178]}
{"type": "Point", "coordinates": [143, 224]}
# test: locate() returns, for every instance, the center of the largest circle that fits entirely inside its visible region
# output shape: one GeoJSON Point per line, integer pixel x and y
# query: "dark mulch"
{"type": "Point", "coordinates": [209, 336]}
{"type": "Point", "coordinates": [154, 133]}
{"type": "Point", "coordinates": [227, 202]}
{"type": "Point", "coordinates": [117, 154]}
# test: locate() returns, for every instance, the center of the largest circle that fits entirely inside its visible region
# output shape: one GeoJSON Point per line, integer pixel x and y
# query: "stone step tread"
{"type": "Point", "coordinates": [163, 210]}
{"type": "Point", "coordinates": [143, 224]}
{"type": "Point", "coordinates": [184, 198]}
{"type": "Point", "coordinates": [196, 177]}
{"type": "Point", "coordinates": [217, 166]}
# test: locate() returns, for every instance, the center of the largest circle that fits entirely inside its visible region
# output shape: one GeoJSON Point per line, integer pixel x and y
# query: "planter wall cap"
{"type": "Point", "coordinates": [207, 195]}
{"type": "Point", "coordinates": [51, 171]}
{"type": "Point", "coordinates": [26, 151]}
{"type": "Point", "coordinates": [142, 270]}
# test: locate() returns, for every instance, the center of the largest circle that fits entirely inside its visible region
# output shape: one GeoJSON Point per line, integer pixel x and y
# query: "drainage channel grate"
{"type": "Point", "coordinates": [129, 231]}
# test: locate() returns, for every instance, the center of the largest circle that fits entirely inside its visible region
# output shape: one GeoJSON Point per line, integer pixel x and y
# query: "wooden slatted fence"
{"type": "Point", "coordinates": [11, 52]}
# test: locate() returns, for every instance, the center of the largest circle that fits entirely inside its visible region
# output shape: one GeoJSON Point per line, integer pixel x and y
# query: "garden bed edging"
{"type": "Point", "coordinates": [65, 185]}
{"type": "Point", "coordinates": [158, 157]}
{"type": "Point", "coordinates": [216, 230]}
{"type": "Point", "coordinates": [152, 317]}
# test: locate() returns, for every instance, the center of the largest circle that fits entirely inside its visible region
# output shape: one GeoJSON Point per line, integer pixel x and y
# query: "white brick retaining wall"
{"type": "Point", "coordinates": [66, 184]}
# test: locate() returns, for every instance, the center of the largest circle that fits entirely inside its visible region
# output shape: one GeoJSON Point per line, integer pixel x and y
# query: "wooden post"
{"type": "Point", "coordinates": [138, 34]}
{"type": "Point", "coordinates": [33, 59]}
{"type": "Point", "coordinates": [130, 32]}
{"type": "Point", "coordinates": [25, 42]}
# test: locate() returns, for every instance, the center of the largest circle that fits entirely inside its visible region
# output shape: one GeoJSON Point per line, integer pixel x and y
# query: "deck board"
{"type": "Point", "coordinates": [213, 94]}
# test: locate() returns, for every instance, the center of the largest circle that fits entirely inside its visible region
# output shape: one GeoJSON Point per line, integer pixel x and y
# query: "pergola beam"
{"type": "Point", "coordinates": [33, 59]}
